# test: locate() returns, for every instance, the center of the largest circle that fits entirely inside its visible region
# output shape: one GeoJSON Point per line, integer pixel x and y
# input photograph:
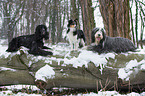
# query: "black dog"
{"type": "Point", "coordinates": [76, 37]}
{"type": "Point", "coordinates": [104, 44]}
{"type": "Point", "coordinates": [33, 42]}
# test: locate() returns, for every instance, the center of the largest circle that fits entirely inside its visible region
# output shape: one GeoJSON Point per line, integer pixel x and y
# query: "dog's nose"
{"type": "Point", "coordinates": [99, 34]}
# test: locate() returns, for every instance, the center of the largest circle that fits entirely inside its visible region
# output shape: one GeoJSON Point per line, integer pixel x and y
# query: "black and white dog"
{"type": "Point", "coordinates": [76, 37]}
{"type": "Point", "coordinates": [103, 44]}
{"type": "Point", "coordinates": [33, 42]}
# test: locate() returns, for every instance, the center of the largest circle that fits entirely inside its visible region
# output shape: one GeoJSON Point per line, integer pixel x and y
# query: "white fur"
{"type": "Point", "coordinates": [96, 36]}
{"type": "Point", "coordinates": [73, 39]}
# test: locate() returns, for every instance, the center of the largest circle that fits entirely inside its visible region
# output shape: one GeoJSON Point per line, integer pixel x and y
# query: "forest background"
{"type": "Point", "coordinates": [20, 17]}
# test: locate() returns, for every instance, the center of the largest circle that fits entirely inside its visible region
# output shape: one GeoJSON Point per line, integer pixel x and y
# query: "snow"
{"type": "Point", "coordinates": [143, 67]}
{"type": "Point", "coordinates": [83, 58]}
{"type": "Point", "coordinates": [139, 19]}
{"type": "Point", "coordinates": [34, 88]}
{"type": "Point", "coordinates": [123, 74]}
{"type": "Point", "coordinates": [12, 87]}
{"type": "Point", "coordinates": [20, 87]}
{"type": "Point", "coordinates": [4, 68]}
{"type": "Point", "coordinates": [100, 93]}
{"type": "Point", "coordinates": [88, 56]}
{"type": "Point", "coordinates": [98, 18]}
{"type": "Point", "coordinates": [132, 67]}
{"type": "Point", "coordinates": [45, 72]}
{"type": "Point", "coordinates": [2, 52]}
{"type": "Point", "coordinates": [10, 93]}
{"type": "Point", "coordinates": [110, 93]}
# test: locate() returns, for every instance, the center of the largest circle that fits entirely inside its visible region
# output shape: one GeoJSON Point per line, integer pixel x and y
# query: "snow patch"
{"type": "Point", "coordinates": [110, 93]}
{"type": "Point", "coordinates": [5, 68]}
{"type": "Point", "coordinates": [45, 73]}
{"type": "Point", "coordinates": [88, 56]}
{"type": "Point", "coordinates": [132, 67]}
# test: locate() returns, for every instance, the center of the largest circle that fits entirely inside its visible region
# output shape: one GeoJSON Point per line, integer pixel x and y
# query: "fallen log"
{"type": "Point", "coordinates": [102, 77]}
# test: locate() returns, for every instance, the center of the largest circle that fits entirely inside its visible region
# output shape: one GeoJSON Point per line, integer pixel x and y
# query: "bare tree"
{"type": "Point", "coordinates": [12, 11]}
{"type": "Point", "coordinates": [88, 18]}
{"type": "Point", "coordinates": [116, 18]}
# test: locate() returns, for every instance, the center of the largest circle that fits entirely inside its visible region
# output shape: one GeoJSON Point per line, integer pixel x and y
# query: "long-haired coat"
{"type": "Point", "coordinates": [102, 43]}
{"type": "Point", "coordinates": [76, 37]}
{"type": "Point", "coordinates": [33, 42]}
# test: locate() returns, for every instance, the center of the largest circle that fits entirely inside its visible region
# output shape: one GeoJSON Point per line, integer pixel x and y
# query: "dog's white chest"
{"type": "Point", "coordinates": [71, 37]}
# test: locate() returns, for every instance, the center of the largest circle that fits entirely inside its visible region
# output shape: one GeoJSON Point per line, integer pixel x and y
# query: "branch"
{"type": "Point", "coordinates": [17, 12]}
{"type": "Point", "coordinates": [141, 2]}
{"type": "Point", "coordinates": [21, 13]}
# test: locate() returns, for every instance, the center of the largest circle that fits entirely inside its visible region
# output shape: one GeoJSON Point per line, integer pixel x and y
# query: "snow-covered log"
{"type": "Point", "coordinates": [79, 70]}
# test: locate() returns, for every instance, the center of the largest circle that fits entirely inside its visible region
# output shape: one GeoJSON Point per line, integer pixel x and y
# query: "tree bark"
{"type": "Point", "coordinates": [54, 15]}
{"type": "Point", "coordinates": [74, 9]}
{"type": "Point", "coordinates": [87, 18]}
{"type": "Point", "coordinates": [116, 19]}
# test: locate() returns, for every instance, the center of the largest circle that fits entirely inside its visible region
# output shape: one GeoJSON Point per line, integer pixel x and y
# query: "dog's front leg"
{"type": "Point", "coordinates": [76, 46]}
{"type": "Point", "coordinates": [45, 47]}
{"type": "Point", "coordinates": [72, 47]}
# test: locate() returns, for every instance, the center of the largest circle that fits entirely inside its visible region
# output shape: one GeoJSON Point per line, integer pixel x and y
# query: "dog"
{"type": "Point", "coordinates": [33, 42]}
{"type": "Point", "coordinates": [103, 44]}
{"type": "Point", "coordinates": [76, 37]}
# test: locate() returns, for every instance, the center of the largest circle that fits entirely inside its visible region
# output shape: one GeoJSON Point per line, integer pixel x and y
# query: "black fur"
{"type": "Point", "coordinates": [78, 32]}
{"type": "Point", "coordinates": [33, 42]}
{"type": "Point", "coordinates": [110, 44]}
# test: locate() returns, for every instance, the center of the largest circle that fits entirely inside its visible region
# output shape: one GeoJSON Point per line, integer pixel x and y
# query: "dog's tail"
{"type": "Point", "coordinates": [81, 43]}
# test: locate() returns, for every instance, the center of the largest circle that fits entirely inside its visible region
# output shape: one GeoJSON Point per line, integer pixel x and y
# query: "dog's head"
{"type": "Point", "coordinates": [98, 35]}
{"type": "Point", "coordinates": [72, 23]}
{"type": "Point", "coordinates": [41, 32]}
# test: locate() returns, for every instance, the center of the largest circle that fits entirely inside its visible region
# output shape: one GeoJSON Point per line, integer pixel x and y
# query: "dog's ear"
{"type": "Point", "coordinates": [37, 28]}
{"type": "Point", "coordinates": [95, 30]}
{"type": "Point", "coordinates": [70, 21]}
{"type": "Point", "coordinates": [76, 20]}
{"type": "Point", "coordinates": [93, 34]}
{"type": "Point", "coordinates": [46, 36]}
{"type": "Point", "coordinates": [103, 31]}
{"type": "Point", "coordinates": [38, 32]}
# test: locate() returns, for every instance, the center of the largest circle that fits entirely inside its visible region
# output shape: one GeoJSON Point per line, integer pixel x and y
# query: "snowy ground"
{"type": "Point", "coordinates": [82, 59]}
{"type": "Point", "coordinates": [100, 93]}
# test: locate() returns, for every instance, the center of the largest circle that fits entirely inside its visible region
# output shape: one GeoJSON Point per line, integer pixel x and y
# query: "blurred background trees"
{"type": "Point", "coordinates": [20, 17]}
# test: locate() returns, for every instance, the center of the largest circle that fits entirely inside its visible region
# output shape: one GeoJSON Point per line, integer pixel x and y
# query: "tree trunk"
{"type": "Point", "coordinates": [88, 18]}
{"type": "Point", "coordinates": [75, 12]}
{"type": "Point", "coordinates": [116, 19]}
{"type": "Point", "coordinates": [59, 21]}
{"type": "Point", "coordinates": [54, 15]}
{"type": "Point", "coordinates": [136, 22]}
